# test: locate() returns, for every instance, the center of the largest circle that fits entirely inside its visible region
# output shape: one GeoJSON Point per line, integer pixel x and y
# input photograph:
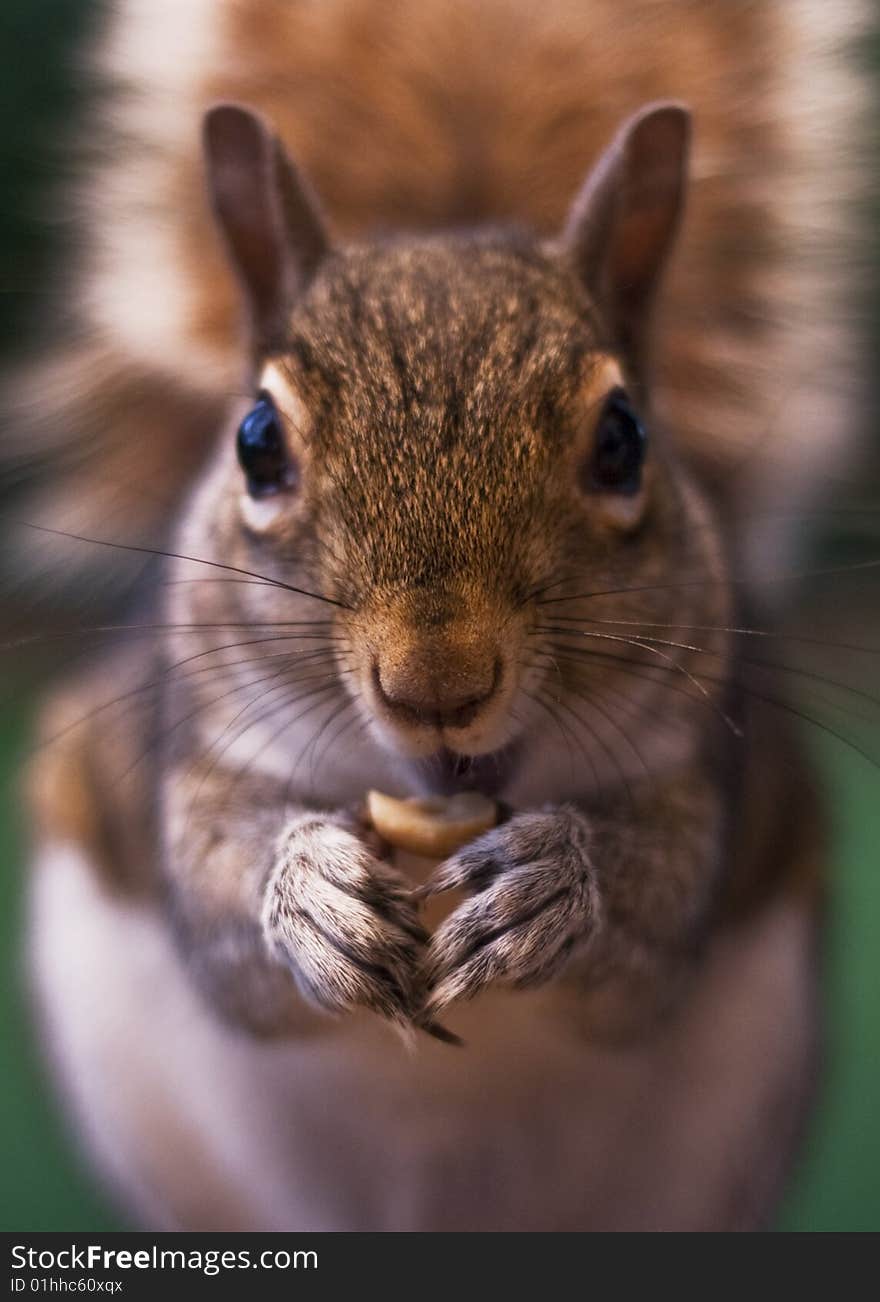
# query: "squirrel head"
{"type": "Point", "coordinates": [450, 437]}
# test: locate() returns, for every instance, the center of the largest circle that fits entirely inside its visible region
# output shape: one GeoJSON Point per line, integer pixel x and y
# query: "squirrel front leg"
{"type": "Point", "coordinates": [613, 901]}
{"type": "Point", "coordinates": [278, 907]}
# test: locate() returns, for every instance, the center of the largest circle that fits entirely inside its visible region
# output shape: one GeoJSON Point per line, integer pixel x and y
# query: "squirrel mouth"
{"type": "Point", "coordinates": [447, 771]}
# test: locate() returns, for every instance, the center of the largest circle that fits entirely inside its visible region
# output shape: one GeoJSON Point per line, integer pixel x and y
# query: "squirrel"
{"type": "Point", "coordinates": [469, 524]}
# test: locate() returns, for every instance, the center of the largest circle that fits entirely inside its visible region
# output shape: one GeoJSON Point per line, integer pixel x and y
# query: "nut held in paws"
{"type": "Point", "coordinates": [432, 826]}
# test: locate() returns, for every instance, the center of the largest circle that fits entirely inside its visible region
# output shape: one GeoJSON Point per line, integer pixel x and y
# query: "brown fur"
{"type": "Point", "coordinates": [439, 398]}
{"type": "Point", "coordinates": [417, 116]}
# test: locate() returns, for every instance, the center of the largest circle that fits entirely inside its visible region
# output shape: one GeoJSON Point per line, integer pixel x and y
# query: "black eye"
{"type": "Point", "coordinates": [261, 451]}
{"type": "Point", "coordinates": [621, 441]}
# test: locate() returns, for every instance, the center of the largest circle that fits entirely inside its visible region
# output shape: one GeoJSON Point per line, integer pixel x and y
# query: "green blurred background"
{"type": "Point", "coordinates": [43, 1184]}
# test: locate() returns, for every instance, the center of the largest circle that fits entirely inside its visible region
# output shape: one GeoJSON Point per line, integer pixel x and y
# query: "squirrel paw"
{"type": "Point", "coordinates": [342, 921]}
{"type": "Point", "coordinates": [533, 897]}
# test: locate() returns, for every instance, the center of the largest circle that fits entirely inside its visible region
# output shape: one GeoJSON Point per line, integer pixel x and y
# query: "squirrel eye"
{"type": "Point", "coordinates": [262, 454]}
{"type": "Point", "coordinates": [620, 446]}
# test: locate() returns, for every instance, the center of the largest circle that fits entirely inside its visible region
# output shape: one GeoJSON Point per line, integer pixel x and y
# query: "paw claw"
{"type": "Point", "coordinates": [438, 1032]}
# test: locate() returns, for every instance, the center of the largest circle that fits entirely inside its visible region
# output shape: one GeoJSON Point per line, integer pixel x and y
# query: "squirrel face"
{"type": "Point", "coordinates": [441, 409]}
{"type": "Point", "coordinates": [448, 444]}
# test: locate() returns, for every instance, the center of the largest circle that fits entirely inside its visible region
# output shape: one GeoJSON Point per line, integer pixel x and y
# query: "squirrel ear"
{"type": "Point", "coordinates": [271, 223]}
{"type": "Point", "coordinates": [623, 223]}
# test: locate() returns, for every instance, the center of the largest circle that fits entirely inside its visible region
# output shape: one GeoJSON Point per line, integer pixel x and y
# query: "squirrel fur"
{"type": "Point", "coordinates": [440, 589]}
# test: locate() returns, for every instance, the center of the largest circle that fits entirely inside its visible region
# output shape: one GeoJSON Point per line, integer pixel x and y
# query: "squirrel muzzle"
{"type": "Point", "coordinates": [441, 686]}
{"type": "Point", "coordinates": [437, 683]}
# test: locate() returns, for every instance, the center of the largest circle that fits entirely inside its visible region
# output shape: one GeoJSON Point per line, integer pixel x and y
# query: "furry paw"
{"type": "Point", "coordinates": [533, 898]}
{"type": "Point", "coordinates": [342, 921]}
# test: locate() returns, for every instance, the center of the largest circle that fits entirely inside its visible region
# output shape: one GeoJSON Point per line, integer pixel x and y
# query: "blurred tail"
{"type": "Point", "coordinates": [448, 112]}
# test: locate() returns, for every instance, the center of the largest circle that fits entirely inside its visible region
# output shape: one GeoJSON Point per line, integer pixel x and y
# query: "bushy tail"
{"type": "Point", "coordinates": [451, 111]}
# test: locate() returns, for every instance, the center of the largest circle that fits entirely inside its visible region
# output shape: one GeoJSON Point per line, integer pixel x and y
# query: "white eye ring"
{"type": "Point", "coordinates": [260, 513]}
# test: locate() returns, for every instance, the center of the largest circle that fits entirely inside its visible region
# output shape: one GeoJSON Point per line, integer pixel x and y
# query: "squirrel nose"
{"type": "Point", "coordinates": [423, 689]}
